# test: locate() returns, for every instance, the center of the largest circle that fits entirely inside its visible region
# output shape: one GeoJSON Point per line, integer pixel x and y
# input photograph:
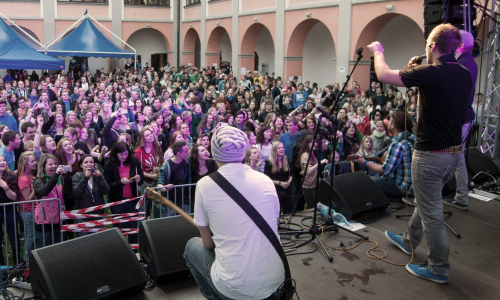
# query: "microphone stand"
{"type": "Point", "coordinates": [329, 225]}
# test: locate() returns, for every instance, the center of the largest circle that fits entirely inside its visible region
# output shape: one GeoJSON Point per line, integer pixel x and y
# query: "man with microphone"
{"type": "Point", "coordinates": [444, 87]}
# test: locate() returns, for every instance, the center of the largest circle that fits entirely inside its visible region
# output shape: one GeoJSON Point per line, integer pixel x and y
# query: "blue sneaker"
{"type": "Point", "coordinates": [423, 271]}
{"type": "Point", "coordinates": [396, 240]}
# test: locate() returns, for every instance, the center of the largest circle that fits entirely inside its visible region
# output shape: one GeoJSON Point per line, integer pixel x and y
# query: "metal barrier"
{"type": "Point", "coordinates": [182, 195]}
{"type": "Point", "coordinates": [34, 235]}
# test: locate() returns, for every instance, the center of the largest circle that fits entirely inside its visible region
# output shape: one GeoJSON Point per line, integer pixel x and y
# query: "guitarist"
{"type": "Point", "coordinates": [395, 167]}
{"type": "Point", "coordinates": [233, 259]}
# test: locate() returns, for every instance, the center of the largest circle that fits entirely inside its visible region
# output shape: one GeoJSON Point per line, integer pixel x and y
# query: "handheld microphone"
{"type": "Point", "coordinates": [417, 61]}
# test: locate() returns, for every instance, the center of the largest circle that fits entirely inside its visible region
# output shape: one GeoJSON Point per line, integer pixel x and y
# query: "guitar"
{"type": "Point", "coordinates": [378, 157]}
{"type": "Point", "coordinates": [157, 197]}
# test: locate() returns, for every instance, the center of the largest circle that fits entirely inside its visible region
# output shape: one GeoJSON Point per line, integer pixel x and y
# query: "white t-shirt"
{"type": "Point", "coordinates": [246, 264]}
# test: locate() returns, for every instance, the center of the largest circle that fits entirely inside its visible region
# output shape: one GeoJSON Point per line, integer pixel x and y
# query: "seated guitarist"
{"type": "Point", "coordinates": [233, 259]}
{"type": "Point", "coordinates": [395, 167]}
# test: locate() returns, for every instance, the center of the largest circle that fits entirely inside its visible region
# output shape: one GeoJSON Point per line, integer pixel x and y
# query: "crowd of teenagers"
{"type": "Point", "coordinates": [90, 139]}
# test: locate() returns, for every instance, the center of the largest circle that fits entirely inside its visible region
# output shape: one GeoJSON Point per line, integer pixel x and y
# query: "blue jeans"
{"type": "Point", "coordinates": [199, 261]}
{"type": "Point", "coordinates": [389, 187]}
{"type": "Point", "coordinates": [51, 235]}
{"type": "Point", "coordinates": [462, 190]}
{"type": "Point", "coordinates": [430, 171]}
{"type": "Point", "coordinates": [29, 229]}
{"type": "Point", "coordinates": [7, 220]}
{"type": "Point", "coordinates": [128, 207]}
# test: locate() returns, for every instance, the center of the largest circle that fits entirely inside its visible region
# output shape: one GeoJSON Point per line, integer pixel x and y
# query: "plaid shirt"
{"type": "Point", "coordinates": [398, 161]}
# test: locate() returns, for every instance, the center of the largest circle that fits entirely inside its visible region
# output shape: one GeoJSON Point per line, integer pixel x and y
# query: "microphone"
{"type": "Point", "coordinates": [417, 61]}
{"type": "Point", "coordinates": [325, 114]}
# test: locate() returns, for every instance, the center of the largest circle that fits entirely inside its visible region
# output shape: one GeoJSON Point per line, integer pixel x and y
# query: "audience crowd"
{"type": "Point", "coordinates": [89, 139]}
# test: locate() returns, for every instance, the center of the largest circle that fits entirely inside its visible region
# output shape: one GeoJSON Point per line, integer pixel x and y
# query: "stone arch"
{"type": "Point", "coordinates": [401, 37]}
{"type": "Point", "coordinates": [311, 52]}
{"type": "Point", "coordinates": [257, 38]}
{"type": "Point", "coordinates": [191, 48]}
{"type": "Point", "coordinates": [219, 47]}
{"type": "Point", "coordinates": [151, 45]}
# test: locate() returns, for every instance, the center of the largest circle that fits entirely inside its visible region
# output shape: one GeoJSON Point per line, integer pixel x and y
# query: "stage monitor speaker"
{"type": "Point", "coordinates": [97, 266]}
{"type": "Point", "coordinates": [354, 195]}
{"type": "Point", "coordinates": [477, 162]}
{"type": "Point", "coordinates": [161, 245]}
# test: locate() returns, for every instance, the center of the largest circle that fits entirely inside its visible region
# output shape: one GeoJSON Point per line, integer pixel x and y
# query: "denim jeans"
{"type": "Point", "coordinates": [389, 187]}
{"type": "Point", "coordinates": [199, 261]}
{"type": "Point", "coordinates": [29, 239]}
{"type": "Point", "coordinates": [48, 237]}
{"type": "Point", "coordinates": [310, 197]}
{"type": "Point", "coordinates": [124, 208]}
{"type": "Point", "coordinates": [7, 220]}
{"type": "Point", "coordinates": [462, 190]}
{"type": "Point", "coordinates": [430, 171]}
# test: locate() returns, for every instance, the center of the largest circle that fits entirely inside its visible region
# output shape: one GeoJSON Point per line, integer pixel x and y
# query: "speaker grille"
{"type": "Point", "coordinates": [354, 194]}
{"type": "Point", "coordinates": [90, 267]}
{"type": "Point", "coordinates": [162, 242]}
{"type": "Point", "coordinates": [478, 162]}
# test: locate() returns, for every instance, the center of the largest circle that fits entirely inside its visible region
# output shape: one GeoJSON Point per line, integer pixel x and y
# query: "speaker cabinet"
{"type": "Point", "coordinates": [161, 245]}
{"type": "Point", "coordinates": [97, 266]}
{"type": "Point", "coordinates": [354, 195]}
{"type": "Point", "coordinates": [478, 162]}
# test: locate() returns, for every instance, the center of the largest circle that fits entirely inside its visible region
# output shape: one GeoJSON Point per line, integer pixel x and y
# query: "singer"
{"type": "Point", "coordinates": [233, 259]}
{"type": "Point", "coordinates": [444, 87]}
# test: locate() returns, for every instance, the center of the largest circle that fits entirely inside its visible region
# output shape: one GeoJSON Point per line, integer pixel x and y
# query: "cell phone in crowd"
{"type": "Point", "coordinates": [92, 170]}
{"type": "Point", "coordinates": [66, 168]}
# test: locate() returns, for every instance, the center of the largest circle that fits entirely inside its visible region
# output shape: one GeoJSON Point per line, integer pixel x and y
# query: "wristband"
{"type": "Point", "coordinates": [366, 163]}
{"type": "Point", "coordinates": [6, 189]}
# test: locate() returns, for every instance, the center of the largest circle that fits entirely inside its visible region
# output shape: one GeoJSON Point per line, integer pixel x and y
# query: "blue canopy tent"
{"type": "Point", "coordinates": [86, 40]}
{"type": "Point", "coordinates": [16, 52]}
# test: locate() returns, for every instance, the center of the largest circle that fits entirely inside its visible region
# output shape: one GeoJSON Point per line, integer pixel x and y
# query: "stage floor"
{"type": "Point", "coordinates": [475, 270]}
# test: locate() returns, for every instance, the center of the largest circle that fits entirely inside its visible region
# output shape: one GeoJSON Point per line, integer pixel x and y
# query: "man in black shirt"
{"type": "Point", "coordinates": [445, 88]}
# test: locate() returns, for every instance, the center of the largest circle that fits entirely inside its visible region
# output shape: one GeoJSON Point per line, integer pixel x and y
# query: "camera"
{"type": "Point", "coordinates": [92, 170]}
{"type": "Point", "coordinates": [66, 169]}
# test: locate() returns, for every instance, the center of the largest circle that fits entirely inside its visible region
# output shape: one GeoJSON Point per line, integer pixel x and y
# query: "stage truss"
{"type": "Point", "coordinates": [489, 122]}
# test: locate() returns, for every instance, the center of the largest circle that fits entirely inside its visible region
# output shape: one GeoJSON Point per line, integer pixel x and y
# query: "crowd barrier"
{"type": "Point", "coordinates": [182, 195]}
{"type": "Point", "coordinates": [21, 226]}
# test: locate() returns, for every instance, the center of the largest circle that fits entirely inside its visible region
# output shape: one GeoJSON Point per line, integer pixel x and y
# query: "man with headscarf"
{"type": "Point", "coordinates": [233, 259]}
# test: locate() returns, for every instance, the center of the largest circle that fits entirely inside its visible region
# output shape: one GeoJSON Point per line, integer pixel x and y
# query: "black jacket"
{"type": "Point", "coordinates": [112, 176]}
{"type": "Point", "coordinates": [43, 187]}
{"type": "Point", "coordinates": [83, 196]}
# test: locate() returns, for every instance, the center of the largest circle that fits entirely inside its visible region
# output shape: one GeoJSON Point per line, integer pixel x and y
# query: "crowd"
{"type": "Point", "coordinates": [86, 139]}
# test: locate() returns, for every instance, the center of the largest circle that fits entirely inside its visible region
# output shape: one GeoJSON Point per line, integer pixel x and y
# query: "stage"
{"type": "Point", "coordinates": [475, 272]}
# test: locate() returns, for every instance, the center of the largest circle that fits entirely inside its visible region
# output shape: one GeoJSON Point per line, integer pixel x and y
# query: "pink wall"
{"type": "Point", "coordinates": [62, 25]}
{"type": "Point", "coordinates": [256, 4]}
{"type": "Point", "coordinates": [363, 14]}
{"type": "Point", "coordinates": [292, 2]}
{"type": "Point", "coordinates": [192, 12]}
{"type": "Point", "coordinates": [36, 26]}
{"type": "Point", "coordinates": [68, 10]}
{"type": "Point", "coordinates": [144, 12]}
{"type": "Point", "coordinates": [366, 23]}
{"type": "Point", "coordinates": [297, 27]}
{"type": "Point", "coordinates": [218, 8]}
{"type": "Point", "coordinates": [20, 9]}
{"type": "Point", "coordinates": [210, 26]}
{"type": "Point", "coordinates": [268, 20]}
{"type": "Point", "coordinates": [188, 38]}
{"type": "Point", "coordinates": [166, 29]}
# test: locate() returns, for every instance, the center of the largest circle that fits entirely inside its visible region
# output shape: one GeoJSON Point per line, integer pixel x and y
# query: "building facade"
{"type": "Point", "coordinates": [313, 39]}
